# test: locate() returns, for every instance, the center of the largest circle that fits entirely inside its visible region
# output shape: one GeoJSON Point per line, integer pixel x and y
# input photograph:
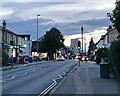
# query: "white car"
{"type": "Point", "coordinates": [84, 58]}
{"type": "Point", "coordinates": [60, 58]}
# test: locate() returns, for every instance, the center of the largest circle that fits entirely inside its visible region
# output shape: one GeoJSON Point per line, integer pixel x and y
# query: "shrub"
{"type": "Point", "coordinates": [5, 58]}
{"type": "Point", "coordinates": [114, 57]}
{"type": "Point", "coordinates": [101, 53]}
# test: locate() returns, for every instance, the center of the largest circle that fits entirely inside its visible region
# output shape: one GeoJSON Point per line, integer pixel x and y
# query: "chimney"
{"type": "Point", "coordinates": [4, 24]}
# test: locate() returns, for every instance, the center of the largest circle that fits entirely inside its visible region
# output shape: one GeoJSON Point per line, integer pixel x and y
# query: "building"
{"type": "Point", "coordinates": [34, 48]}
{"type": "Point", "coordinates": [8, 36]}
{"type": "Point", "coordinates": [73, 46]}
{"type": "Point", "coordinates": [27, 44]}
{"type": "Point", "coordinates": [106, 40]}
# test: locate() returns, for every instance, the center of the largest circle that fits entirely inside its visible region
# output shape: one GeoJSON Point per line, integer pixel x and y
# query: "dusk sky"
{"type": "Point", "coordinates": [21, 17]}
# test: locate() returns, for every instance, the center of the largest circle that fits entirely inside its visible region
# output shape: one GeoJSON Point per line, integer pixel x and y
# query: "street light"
{"type": "Point", "coordinates": [82, 37]}
{"type": "Point", "coordinates": [37, 34]}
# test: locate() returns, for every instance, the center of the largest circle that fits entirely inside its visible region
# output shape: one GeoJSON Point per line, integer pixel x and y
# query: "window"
{"type": "Point", "coordinates": [26, 38]}
{"type": "Point", "coordinates": [5, 37]}
{"type": "Point", "coordinates": [11, 38]}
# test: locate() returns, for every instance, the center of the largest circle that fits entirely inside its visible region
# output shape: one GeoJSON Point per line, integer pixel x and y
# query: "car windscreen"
{"type": "Point", "coordinates": [60, 56]}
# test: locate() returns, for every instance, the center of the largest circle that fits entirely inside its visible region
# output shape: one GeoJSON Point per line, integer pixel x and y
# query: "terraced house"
{"type": "Point", "coordinates": [106, 40]}
{"type": "Point", "coordinates": [8, 36]}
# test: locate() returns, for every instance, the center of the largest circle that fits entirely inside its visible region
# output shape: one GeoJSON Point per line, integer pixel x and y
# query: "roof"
{"type": "Point", "coordinates": [23, 35]}
{"type": "Point", "coordinates": [8, 31]}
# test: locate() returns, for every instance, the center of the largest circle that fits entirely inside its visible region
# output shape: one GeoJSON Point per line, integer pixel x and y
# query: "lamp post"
{"type": "Point", "coordinates": [82, 37]}
{"type": "Point", "coordinates": [37, 34]}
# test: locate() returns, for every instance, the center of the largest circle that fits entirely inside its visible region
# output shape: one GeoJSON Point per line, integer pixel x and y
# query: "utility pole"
{"type": "Point", "coordinates": [85, 45]}
{"type": "Point", "coordinates": [82, 38]}
{"type": "Point", "coordinates": [37, 36]}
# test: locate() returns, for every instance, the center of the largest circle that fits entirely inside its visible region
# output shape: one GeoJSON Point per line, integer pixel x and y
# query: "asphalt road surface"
{"type": "Point", "coordinates": [33, 79]}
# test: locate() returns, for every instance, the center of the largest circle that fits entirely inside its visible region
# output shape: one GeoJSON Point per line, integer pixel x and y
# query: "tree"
{"type": "Point", "coordinates": [115, 16]}
{"type": "Point", "coordinates": [91, 47]}
{"type": "Point", "coordinates": [51, 42]}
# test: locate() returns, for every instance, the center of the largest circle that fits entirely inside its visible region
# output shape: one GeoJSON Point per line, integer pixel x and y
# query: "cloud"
{"type": "Point", "coordinates": [30, 26]}
{"type": "Point", "coordinates": [60, 11]}
{"type": "Point", "coordinates": [5, 12]}
{"type": "Point", "coordinates": [96, 35]}
{"type": "Point", "coordinates": [51, 0]}
{"type": "Point", "coordinates": [21, 17]}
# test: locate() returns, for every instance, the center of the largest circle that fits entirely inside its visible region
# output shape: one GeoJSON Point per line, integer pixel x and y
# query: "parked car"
{"type": "Point", "coordinates": [60, 58]}
{"type": "Point", "coordinates": [26, 57]}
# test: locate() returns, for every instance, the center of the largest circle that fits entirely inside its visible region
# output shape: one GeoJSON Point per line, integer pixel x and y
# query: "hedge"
{"type": "Point", "coordinates": [114, 57]}
{"type": "Point", "coordinates": [5, 58]}
{"type": "Point", "coordinates": [101, 53]}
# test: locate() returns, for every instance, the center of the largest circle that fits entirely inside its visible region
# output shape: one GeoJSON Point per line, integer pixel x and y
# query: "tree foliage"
{"type": "Point", "coordinates": [91, 47]}
{"type": "Point", "coordinates": [101, 53]}
{"type": "Point", "coordinates": [51, 42]}
{"type": "Point", "coordinates": [114, 56]}
{"type": "Point", "coordinates": [115, 16]}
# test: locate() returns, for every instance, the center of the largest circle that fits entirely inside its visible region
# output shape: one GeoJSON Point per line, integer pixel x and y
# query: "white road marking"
{"type": "Point", "coordinates": [60, 76]}
{"type": "Point", "coordinates": [2, 81]}
{"type": "Point", "coordinates": [64, 73]}
{"type": "Point", "coordinates": [11, 78]}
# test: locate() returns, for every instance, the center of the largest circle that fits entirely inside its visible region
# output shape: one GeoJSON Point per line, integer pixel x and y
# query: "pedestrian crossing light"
{"type": "Point", "coordinates": [79, 45]}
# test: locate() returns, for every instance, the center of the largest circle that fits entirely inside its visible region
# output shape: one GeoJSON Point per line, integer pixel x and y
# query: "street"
{"type": "Point", "coordinates": [60, 48]}
{"type": "Point", "coordinates": [33, 79]}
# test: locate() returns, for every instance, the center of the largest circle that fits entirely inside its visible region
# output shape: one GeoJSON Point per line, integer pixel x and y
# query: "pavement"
{"type": "Point", "coordinates": [86, 80]}
{"type": "Point", "coordinates": [21, 65]}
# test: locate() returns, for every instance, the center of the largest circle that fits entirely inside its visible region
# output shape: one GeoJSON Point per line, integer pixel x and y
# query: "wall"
{"type": "Point", "coordinates": [28, 49]}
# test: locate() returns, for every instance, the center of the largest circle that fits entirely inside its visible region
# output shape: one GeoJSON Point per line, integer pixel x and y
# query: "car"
{"type": "Point", "coordinates": [60, 58]}
{"type": "Point", "coordinates": [26, 57]}
{"type": "Point", "coordinates": [77, 57]}
{"type": "Point", "coordinates": [84, 58]}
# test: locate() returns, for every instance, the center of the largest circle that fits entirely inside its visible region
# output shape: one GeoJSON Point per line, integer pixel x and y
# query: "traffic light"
{"type": "Point", "coordinates": [11, 47]}
{"type": "Point", "coordinates": [79, 45]}
{"type": "Point", "coordinates": [11, 44]}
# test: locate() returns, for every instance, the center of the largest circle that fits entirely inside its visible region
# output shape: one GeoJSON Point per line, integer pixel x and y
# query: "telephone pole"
{"type": "Point", "coordinates": [82, 38]}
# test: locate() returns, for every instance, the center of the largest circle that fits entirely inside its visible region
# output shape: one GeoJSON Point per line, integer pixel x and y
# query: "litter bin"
{"type": "Point", "coordinates": [30, 59]}
{"type": "Point", "coordinates": [104, 70]}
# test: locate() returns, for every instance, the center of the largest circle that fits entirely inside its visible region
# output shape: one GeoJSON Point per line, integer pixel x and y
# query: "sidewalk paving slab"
{"type": "Point", "coordinates": [86, 80]}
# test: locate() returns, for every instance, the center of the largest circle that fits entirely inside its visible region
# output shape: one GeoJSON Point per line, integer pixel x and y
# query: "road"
{"type": "Point", "coordinates": [33, 79]}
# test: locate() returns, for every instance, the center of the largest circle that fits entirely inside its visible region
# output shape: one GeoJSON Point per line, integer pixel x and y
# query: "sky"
{"type": "Point", "coordinates": [66, 15]}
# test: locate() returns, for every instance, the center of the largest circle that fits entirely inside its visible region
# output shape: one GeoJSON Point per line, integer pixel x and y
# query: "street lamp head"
{"type": "Point", "coordinates": [81, 28]}
{"type": "Point", "coordinates": [38, 14]}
